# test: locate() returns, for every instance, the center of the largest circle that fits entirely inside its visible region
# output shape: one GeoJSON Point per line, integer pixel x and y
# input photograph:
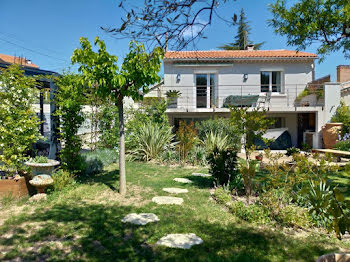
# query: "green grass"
{"type": "Point", "coordinates": [83, 223]}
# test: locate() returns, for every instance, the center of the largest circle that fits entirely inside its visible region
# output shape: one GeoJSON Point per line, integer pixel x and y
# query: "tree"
{"type": "Point", "coordinates": [307, 21]}
{"type": "Point", "coordinates": [172, 23]}
{"type": "Point", "coordinates": [138, 71]}
{"type": "Point", "coordinates": [242, 37]}
{"type": "Point", "coordinates": [19, 125]}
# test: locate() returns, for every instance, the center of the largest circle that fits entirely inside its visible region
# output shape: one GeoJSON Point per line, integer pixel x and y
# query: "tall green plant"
{"type": "Point", "coordinates": [19, 125]}
{"type": "Point", "coordinates": [138, 71]}
{"type": "Point", "coordinates": [151, 140]}
{"type": "Point", "coordinates": [187, 137]}
{"type": "Point", "coordinates": [70, 99]}
{"type": "Point", "coordinates": [342, 115]}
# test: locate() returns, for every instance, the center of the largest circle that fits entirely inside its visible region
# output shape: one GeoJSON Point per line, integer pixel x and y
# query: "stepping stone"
{"type": "Point", "coordinates": [166, 200]}
{"type": "Point", "coordinates": [183, 180]}
{"type": "Point", "coordinates": [184, 241]}
{"type": "Point", "coordinates": [174, 190]}
{"type": "Point", "coordinates": [201, 175]}
{"type": "Point", "coordinates": [140, 219]}
{"type": "Point", "coordinates": [38, 197]}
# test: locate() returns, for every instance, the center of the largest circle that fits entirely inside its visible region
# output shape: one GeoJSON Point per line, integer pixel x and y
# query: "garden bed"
{"type": "Point", "coordinates": [13, 187]}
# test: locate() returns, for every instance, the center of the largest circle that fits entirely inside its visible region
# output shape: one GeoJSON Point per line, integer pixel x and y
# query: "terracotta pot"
{"type": "Point", "coordinates": [15, 188]}
{"type": "Point", "coordinates": [42, 168]}
{"type": "Point", "coordinates": [259, 158]}
{"type": "Point", "coordinates": [330, 133]}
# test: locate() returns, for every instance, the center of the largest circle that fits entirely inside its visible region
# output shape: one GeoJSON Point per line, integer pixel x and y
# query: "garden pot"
{"type": "Point", "coordinates": [330, 133]}
{"type": "Point", "coordinates": [41, 182]}
{"type": "Point", "coordinates": [172, 102]}
{"type": "Point", "coordinates": [259, 158]}
{"type": "Point", "coordinates": [14, 188]}
{"type": "Point", "coordinates": [42, 168]}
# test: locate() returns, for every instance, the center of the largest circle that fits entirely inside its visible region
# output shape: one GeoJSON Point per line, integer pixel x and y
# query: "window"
{"type": "Point", "coordinates": [270, 81]}
{"type": "Point", "coordinates": [279, 122]}
{"type": "Point", "coordinates": [205, 83]}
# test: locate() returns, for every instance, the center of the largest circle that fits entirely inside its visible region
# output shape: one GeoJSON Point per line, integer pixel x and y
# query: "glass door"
{"type": "Point", "coordinates": [201, 90]}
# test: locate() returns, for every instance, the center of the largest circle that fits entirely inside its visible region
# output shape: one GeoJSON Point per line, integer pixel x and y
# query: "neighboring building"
{"type": "Point", "coordinates": [343, 77]}
{"type": "Point", "coordinates": [281, 81]}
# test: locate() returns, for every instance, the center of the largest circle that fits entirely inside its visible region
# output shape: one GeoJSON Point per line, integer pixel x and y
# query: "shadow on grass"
{"type": "Point", "coordinates": [95, 233]}
{"type": "Point", "coordinates": [109, 178]}
{"type": "Point", "coordinates": [201, 182]}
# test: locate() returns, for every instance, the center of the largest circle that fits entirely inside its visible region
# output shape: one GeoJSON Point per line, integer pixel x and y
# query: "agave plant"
{"type": "Point", "coordinates": [216, 140]}
{"type": "Point", "coordinates": [150, 140]}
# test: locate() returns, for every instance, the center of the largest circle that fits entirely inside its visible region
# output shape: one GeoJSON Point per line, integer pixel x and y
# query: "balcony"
{"type": "Point", "coordinates": [222, 97]}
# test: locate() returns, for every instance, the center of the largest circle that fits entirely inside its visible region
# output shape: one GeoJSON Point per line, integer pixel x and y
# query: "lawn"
{"type": "Point", "coordinates": [83, 223]}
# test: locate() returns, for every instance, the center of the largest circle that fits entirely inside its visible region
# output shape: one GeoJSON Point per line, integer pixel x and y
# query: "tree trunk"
{"type": "Point", "coordinates": [122, 176]}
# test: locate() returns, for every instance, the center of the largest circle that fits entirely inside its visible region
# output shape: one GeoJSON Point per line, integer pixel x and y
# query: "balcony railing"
{"type": "Point", "coordinates": [224, 96]}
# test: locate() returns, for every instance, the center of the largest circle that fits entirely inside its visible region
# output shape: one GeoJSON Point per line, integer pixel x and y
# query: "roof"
{"type": "Point", "coordinates": [9, 59]}
{"type": "Point", "coordinates": [239, 54]}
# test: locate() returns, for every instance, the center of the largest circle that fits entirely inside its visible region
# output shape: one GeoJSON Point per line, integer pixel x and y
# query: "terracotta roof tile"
{"type": "Point", "coordinates": [221, 54]}
{"type": "Point", "coordinates": [9, 59]}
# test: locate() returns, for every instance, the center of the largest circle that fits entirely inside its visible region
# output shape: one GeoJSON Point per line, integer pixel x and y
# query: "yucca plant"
{"type": "Point", "coordinates": [150, 140]}
{"type": "Point", "coordinates": [216, 140]}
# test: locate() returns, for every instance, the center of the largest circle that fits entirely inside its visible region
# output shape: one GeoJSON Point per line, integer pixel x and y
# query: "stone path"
{"type": "Point", "coordinates": [201, 175]}
{"type": "Point", "coordinates": [140, 219]}
{"type": "Point", "coordinates": [166, 200]}
{"type": "Point", "coordinates": [184, 241]}
{"type": "Point", "coordinates": [183, 180]}
{"type": "Point", "coordinates": [174, 190]}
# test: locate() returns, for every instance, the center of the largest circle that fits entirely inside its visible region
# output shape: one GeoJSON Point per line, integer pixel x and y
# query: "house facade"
{"type": "Point", "coordinates": [280, 81]}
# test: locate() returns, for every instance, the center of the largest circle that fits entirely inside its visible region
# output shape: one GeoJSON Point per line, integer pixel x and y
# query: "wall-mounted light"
{"type": "Point", "coordinates": [245, 77]}
{"type": "Point", "coordinates": [178, 78]}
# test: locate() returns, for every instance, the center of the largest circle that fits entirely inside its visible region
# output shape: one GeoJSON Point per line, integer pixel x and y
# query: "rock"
{"type": "Point", "coordinates": [334, 257]}
{"type": "Point", "coordinates": [140, 219]}
{"type": "Point", "coordinates": [184, 241]}
{"type": "Point", "coordinates": [174, 190]}
{"type": "Point", "coordinates": [166, 200]}
{"type": "Point", "coordinates": [182, 180]}
{"type": "Point", "coordinates": [201, 175]}
{"type": "Point", "coordinates": [38, 197]}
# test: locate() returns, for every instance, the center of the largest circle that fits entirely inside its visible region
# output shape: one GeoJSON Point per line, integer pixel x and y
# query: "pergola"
{"type": "Point", "coordinates": [45, 83]}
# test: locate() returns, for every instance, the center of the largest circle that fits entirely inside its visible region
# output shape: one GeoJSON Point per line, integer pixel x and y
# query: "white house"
{"type": "Point", "coordinates": [281, 81]}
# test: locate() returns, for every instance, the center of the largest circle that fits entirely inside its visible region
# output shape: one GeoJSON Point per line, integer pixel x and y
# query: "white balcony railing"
{"type": "Point", "coordinates": [224, 96]}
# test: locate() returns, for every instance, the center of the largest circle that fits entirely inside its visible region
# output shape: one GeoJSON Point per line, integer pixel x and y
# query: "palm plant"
{"type": "Point", "coordinates": [150, 140]}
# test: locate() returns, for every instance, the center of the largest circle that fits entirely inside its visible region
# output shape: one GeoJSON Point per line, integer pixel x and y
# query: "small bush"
{"type": "Point", "coordinates": [223, 165]}
{"type": "Point", "coordinates": [252, 213]}
{"type": "Point", "coordinates": [187, 137]}
{"type": "Point", "coordinates": [62, 179]}
{"type": "Point", "coordinates": [169, 156]}
{"type": "Point", "coordinates": [343, 145]}
{"type": "Point", "coordinates": [222, 196]}
{"type": "Point", "coordinates": [292, 150]}
{"type": "Point", "coordinates": [95, 161]}
{"type": "Point", "coordinates": [294, 216]}
{"type": "Point", "coordinates": [217, 140]}
{"type": "Point", "coordinates": [342, 115]}
{"type": "Point", "coordinates": [197, 156]}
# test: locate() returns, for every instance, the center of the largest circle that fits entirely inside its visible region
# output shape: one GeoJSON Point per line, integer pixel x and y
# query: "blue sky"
{"type": "Point", "coordinates": [47, 31]}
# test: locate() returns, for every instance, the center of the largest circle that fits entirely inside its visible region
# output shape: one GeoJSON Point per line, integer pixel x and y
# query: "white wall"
{"type": "Point", "coordinates": [230, 79]}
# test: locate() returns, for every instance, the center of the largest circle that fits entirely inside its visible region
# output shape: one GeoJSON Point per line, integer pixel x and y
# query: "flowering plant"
{"type": "Point", "coordinates": [19, 125]}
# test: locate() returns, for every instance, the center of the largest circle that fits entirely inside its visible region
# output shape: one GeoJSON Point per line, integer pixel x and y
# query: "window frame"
{"type": "Point", "coordinates": [271, 85]}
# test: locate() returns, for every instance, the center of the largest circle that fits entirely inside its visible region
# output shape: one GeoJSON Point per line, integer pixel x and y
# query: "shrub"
{"type": "Point", "coordinates": [62, 179]}
{"type": "Point", "coordinates": [69, 100]}
{"type": "Point", "coordinates": [294, 216]}
{"type": "Point", "coordinates": [222, 196]}
{"type": "Point", "coordinates": [169, 156]}
{"type": "Point", "coordinates": [219, 126]}
{"type": "Point", "coordinates": [40, 159]}
{"type": "Point", "coordinates": [198, 156]}
{"type": "Point", "coordinates": [342, 115]}
{"type": "Point", "coordinates": [108, 126]}
{"type": "Point", "coordinates": [18, 121]}
{"type": "Point", "coordinates": [95, 161]}
{"type": "Point", "coordinates": [252, 213]}
{"type": "Point", "coordinates": [187, 139]}
{"type": "Point", "coordinates": [150, 140]}
{"type": "Point", "coordinates": [292, 150]}
{"type": "Point", "coordinates": [223, 165]}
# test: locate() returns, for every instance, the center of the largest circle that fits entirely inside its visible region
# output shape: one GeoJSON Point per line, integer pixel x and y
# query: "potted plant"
{"type": "Point", "coordinates": [172, 96]}
{"type": "Point", "coordinates": [259, 157]}
{"type": "Point", "coordinates": [42, 165]}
